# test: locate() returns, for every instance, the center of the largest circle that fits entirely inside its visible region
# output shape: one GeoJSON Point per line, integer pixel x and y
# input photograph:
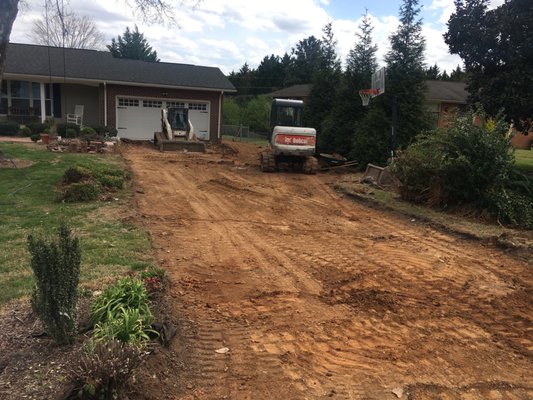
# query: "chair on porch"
{"type": "Point", "coordinates": [77, 117]}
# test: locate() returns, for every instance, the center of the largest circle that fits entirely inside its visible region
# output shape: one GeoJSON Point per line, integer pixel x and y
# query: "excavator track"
{"type": "Point", "coordinates": [310, 165]}
{"type": "Point", "coordinates": [267, 161]}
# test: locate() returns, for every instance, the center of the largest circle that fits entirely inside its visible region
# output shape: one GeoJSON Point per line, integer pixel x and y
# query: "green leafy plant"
{"type": "Point", "coordinates": [80, 191]}
{"type": "Point", "coordinates": [38, 127]}
{"type": "Point", "coordinates": [8, 128]}
{"type": "Point", "coordinates": [70, 133]}
{"type": "Point", "coordinates": [127, 293]}
{"type": "Point", "coordinates": [35, 138]}
{"type": "Point", "coordinates": [469, 164]}
{"type": "Point", "coordinates": [88, 133]}
{"type": "Point", "coordinates": [56, 268]}
{"type": "Point", "coordinates": [126, 325]}
{"type": "Point", "coordinates": [76, 174]}
{"type": "Point", "coordinates": [63, 128]}
{"type": "Point", "coordinates": [103, 368]}
{"type": "Point", "coordinates": [25, 131]}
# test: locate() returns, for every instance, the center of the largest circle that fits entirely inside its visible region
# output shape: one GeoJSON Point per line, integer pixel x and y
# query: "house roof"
{"type": "Point", "coordinates": [28, 59]}
{"type": "Point", "coordinates": [293, 91]}
{"type": "Point", "coordinates": [448, 92]}
{"type": "Point", "coordinates": [441, 91]}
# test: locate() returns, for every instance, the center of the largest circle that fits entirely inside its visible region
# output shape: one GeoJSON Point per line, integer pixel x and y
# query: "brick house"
{"type": "Point", "coordinates": [43, 82]}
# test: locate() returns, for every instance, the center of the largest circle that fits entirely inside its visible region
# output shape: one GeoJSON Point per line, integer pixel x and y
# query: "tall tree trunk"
{"type": "Point", "coordinates": [8, 13]}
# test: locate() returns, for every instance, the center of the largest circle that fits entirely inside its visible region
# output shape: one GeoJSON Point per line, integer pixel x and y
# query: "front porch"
{"type": "Point", "coordinates": [26, 102]}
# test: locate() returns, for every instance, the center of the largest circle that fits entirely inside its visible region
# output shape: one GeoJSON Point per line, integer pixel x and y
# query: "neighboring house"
{"type": "Point", "coordinates": [42, 82]}
{"type": "Point", "coordinates": [296, 92]}
{"type": "Point", "coordinates": [444, 98]}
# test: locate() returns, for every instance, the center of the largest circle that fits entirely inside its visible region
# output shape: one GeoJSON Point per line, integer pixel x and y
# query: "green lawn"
{"type": "Point", "coordinates": [109, 246]}
{"type": "Point", "coordinates": [524, 160]}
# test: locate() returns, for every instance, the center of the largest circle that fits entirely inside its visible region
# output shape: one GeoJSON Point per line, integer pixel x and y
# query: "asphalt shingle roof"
{"type": "Point", "coordinates": [30, 59]}
{"type": "Point", "coordinates": [451, 92]}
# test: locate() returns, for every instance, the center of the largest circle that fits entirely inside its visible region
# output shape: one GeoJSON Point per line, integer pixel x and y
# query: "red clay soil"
{"type": "Point", "coordinates": [316, 296]}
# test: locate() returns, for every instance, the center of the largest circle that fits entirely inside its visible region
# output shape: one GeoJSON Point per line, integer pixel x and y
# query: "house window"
{"type": "Point", "coordinates": [175, 104]}
{"type": "Point", "coordinates": [152, 103]}
{"type": "Point", "coordinates": [128, 102]}
{"type": "Point", "coordinates": [198, 106]}
{"type": "Point", "coordinates": [3, 98]}
{"type": "Point", "coordinates": [21, 96]}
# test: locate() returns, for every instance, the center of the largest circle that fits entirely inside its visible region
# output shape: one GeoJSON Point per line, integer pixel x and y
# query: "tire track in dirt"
{"type": "Point", "coordinates": [318, 297]}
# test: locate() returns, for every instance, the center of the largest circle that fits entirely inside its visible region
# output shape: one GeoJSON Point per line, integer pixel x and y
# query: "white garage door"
{"type": "Point", "coordinates": [140, 118]}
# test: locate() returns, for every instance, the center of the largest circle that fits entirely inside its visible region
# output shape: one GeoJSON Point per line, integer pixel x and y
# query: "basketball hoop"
{"type": "Point", "coordinates": [367, 94]}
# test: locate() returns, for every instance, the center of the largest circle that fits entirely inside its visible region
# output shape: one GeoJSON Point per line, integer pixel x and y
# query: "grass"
{"type": "Point", "coordinates": [524, 161]}
{"type": "Point", "coordinates": [110, 247]}
{"type": "Point", "coordinates": [256, 141]}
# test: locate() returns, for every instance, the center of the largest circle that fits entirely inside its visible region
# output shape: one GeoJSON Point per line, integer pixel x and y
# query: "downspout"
{"type": "Point", "coordinates": [105, 104]}
{"type": "Point", "coordinates": [220, 112]}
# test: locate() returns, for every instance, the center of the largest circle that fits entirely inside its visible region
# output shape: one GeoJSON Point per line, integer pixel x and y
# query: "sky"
{"type": "Point", "coordinates": [228, 33]}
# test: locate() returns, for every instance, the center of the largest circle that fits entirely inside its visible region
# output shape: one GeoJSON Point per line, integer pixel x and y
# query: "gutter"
{"type": "Point", "coordinates": [220, 112]}
{"type": "Point", "coordinates": [96, 82]}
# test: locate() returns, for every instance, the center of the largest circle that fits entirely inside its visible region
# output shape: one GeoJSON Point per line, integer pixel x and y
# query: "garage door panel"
{"type": "Point", "coordinates": [140, 118]}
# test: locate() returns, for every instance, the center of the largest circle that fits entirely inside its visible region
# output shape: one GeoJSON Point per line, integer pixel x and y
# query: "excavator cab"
{"type": "Point", "coordinates": [291, 144]}
{"type": "Point", "coordinates": [285, 113]}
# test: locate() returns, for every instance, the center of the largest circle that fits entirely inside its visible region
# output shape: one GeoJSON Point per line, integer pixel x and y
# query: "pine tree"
{"type": "Point", "coordinates": [132, 45]}
{"type": "Point", "coordinates": [326, 78]}
{"type": "Point", "coordinates": [405, 73]}
{"type": "Point", "coordinates": [348, 110]}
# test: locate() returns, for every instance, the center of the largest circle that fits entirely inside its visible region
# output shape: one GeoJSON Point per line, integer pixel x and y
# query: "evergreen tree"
{"type": "Point", "coordinates": [326, 78]}
{"type": "Point", "coordinates": [304, 60]}
{"type": "Point", "coordinates": [269, 75]}
{"type": "Point", "coordinates": [405, 73]}
{"type": "Point", "coordinates": [348, 110]}
{"type": "Point", "coordinates": [433, 73]}
{"type": "Point", "coordinates": [458, 75]}
{"type": "Point", "coordinates": [132, 45]}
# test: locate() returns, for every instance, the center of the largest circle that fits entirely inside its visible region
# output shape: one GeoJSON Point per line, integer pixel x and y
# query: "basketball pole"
{"type": "Point", "coordinates": [394, 124]}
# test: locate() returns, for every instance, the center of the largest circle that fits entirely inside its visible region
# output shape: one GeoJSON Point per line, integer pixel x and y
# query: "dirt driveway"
{"type": "Point", "coordinates": [316, 296]}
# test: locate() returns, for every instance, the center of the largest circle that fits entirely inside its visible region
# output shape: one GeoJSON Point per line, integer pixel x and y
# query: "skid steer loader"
{"type": "Point", "coordinates": [177, 131]}
{"type": "Point", "coordinates": [291, 144]}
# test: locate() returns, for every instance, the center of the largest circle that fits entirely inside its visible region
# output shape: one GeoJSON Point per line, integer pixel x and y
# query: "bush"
{"type": "Point", "coordinates": [103, 369]}
{"type": "Point", "coordinates": [76, 174]}
{"type": "Point", "coordinates": [88, 133]}
{"type": "Point", "coordinates": [106, 131]}
{"type": "Point", "coordinates": [38, 127]}
{"type": "Point", "coordinates": [467, 164]}
{"type": "Point", "coordinates": [62, 130]}
{"type": "Point", "coordinates": [25, 131]}
{"type": "Point", "coordinates": [9, 128]}
{"type": "Point", "coordinates": [81, 191]}
{"type": "Point", "coordinates": [56, 267]}
{"type": "Point", "coordinates": [70, 133]}
{"type": "Point", "coordinates": [35, 138]}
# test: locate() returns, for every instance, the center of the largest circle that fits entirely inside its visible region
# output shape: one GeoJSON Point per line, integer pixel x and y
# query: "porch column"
{"type": "Point", "coordinates": [43, 102]}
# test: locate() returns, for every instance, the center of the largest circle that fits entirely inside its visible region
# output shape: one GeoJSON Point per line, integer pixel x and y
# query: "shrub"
{"type": "Point", "coordinates": [8, 128]}
{"type": "Point", "coordinates": [76, 174]}
{"type": "Point", "coordinates": [105, 131]}
{"type": "Point", "coordinates": [127, 293]}
{"type": "Point", "coordinates": [35, 138]}
{"type": "Point", "coordinates": [103, 369]}
{"type": "Point", "coordinates": [38, 127]}
{"type": "Point", "coordinates": [70, 133]}
{"type": "Point", "coordinates": [81, 191]}
{"type": "Point", "coordinates": [62, 129]}
{"type": "Point", "coordinates": [88, 133]}
{"type": "Point", "coordinates": [467, 164]}
{"type": "Point", "coordinates": [25, 131]}
{"type": "Point", "coordinates": [56, 267]}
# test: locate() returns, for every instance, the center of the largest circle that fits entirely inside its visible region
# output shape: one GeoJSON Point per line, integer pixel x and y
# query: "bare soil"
{"type": "Point", "coordinates": [317, 296]}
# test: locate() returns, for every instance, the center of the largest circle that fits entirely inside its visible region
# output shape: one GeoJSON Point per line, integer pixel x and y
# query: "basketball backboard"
{"type": "Point", "coordinates": [378, 80]}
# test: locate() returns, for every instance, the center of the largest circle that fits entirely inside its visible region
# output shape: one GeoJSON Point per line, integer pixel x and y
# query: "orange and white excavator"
{"type": "Point", "coordinates": [290, 143]}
